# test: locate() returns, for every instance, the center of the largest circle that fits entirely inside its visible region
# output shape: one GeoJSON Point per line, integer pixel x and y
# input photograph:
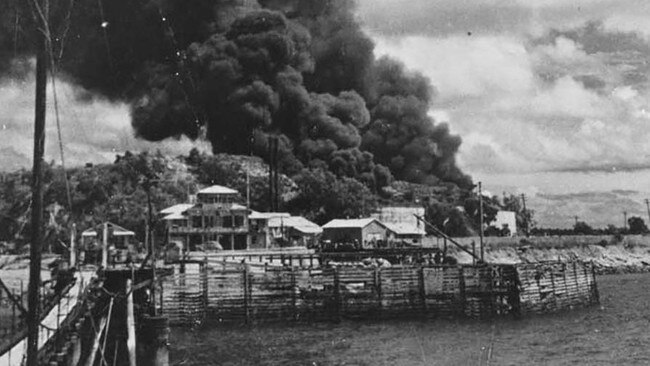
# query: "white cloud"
{"type": "Point", "coordinates": [464, 66]}
{"type": "Point", "coordinates": [524, 104]}
{"type": "Point", "coordinates": [93, 129]}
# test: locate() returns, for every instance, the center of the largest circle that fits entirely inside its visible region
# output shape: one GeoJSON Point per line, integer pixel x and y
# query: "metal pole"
{"type": "Point", "coordinates": [36, 245]}
{"type": "Point", "coordinates": [480, 208]}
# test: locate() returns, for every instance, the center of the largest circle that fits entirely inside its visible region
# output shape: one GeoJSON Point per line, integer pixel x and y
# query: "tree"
{"type": "Point", "coordinates": [324, 197]}
{"type": "Point", "coordinates": [637, 225]}
{"type": "Point", "coordinates": [582, 228]}
{"type": "Point", "coordinates": [490, 209]}
{"type": "Point", "coordinates": [449, 219]}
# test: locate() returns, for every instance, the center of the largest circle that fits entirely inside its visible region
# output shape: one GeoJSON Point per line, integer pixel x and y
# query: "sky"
{"type": "Point", "coordinates": [93, 129]}
{"type": "Point", "coordinates": [549, 96]}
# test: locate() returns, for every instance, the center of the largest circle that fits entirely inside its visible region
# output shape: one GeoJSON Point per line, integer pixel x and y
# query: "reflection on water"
{"type": "Point", "coordinates": [616, 332]}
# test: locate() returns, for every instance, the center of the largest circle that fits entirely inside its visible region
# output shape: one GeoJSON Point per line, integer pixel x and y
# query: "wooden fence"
{"type": "Point", "coordinates": [556, 285]}
{"type": "Point", "coordinates": [336, 293]}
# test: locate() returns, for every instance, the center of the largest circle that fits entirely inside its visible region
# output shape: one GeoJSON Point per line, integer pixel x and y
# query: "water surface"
{"type": "Point", "coordinates": [614, 332]}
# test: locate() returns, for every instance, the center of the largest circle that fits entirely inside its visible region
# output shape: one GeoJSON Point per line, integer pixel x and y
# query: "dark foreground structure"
{"type": "Point", "coordinates": [330, 294]}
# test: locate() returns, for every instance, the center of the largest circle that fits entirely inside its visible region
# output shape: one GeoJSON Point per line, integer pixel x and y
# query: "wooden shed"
{"type": "Point", "coordinates": [364, 232]}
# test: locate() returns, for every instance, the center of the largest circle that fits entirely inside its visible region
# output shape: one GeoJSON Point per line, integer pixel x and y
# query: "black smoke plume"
{"type": "Point", "coordinates": [239, 71]}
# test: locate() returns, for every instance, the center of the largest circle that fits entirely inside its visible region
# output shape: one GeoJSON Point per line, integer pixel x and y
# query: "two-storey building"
{"type": "Point", "coordinates": [217, 216]}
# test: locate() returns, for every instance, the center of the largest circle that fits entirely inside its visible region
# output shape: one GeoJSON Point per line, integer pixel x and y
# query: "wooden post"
{"type": "Point", "coordinates": [294, 295]}
{"type": "Point", "coordinates": [90, 361]}
{"type": "Point", "coordinates": [246, 305]}
{"type": "Point", "coordinates": [73, 249]}
{"type": "Point", "coordinates": [379, 291]}
{"type": "Point", "coordinates": [461, 287]}
{"type": "Point", "coordinates": [105, 246]}
{"type": "Point", "coordinates": [75, 353]}
{"type": "Point", "coordinates": [337, 295]}
{"type": "Point", "coordinates": [553, 286]}
{"type": "Point", "coordinates": [13, 310]}
{"type": "Point", "coordinates": [162, 310]}
{"type": "Point", "coordinates": [566, 285]}
{"type": "Point", "coordinates": [130, 324]}
{"type": "Point", "coordinates": [36, 245]}
{"type": "Point", "coordinates": [423, 297]}
{"type": "Point", "coordinates": [108, 324]}
{"type": "Point", "coordinates": [204, 272]}
{"type": "Point", "coordinates": [594, 285]}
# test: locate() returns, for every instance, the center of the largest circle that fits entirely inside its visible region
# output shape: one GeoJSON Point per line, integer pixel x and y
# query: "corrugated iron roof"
{"type": "Point", "coordinates": [216, 189]}
{"type": "Point", "coordinates": [176, 209]}
{"type": "Point", "coordinates": [405, 229]}
{"type": "Point", "coordinates": [350, 223]}
{"type": "Point", "coordinates": [297, 222]}
{"type": "Point", "coordinates": [175, 216]}
{"type": "Point", "coordinates": [115, 230]}
{"type": "Point", "coordinates": [267, 215]}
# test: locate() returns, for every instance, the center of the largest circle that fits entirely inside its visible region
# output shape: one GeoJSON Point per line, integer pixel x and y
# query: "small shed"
{"type": "Point", "coordinates": [296, 230]}
{"type": "Point", "coordinates": [365, 232]}
{"type": "Point", "coordinates": [117, 235]}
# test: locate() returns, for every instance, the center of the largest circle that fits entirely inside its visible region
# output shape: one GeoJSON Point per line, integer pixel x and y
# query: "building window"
{"type": "Point", "coordinates": [196, 222]}
{"type": "Point", "coordinates": [227, 221]}
{"type": "Point", "coordinates": [239, 221]}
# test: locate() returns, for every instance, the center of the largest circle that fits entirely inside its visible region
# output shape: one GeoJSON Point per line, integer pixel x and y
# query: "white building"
{"type": "Point", "coordinates": [506, 219]}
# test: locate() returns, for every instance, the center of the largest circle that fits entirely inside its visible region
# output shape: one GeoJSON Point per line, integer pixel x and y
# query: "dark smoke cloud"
{"type": "Point", "coordinates": [239, 72]}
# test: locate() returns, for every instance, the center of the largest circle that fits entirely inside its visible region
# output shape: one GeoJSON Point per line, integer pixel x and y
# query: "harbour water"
{"type": "Point", "coordinates": [615, 332]}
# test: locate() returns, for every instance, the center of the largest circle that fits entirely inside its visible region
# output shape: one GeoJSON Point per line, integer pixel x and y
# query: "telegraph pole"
{"type": "Point", "coordinates": [526, 228]}
{"type": "Point", "coordinates": [647, 205]}
{"type": "Point", "coordinates": [36, 245]}
{"type": "Point", "coordinates": [480, 210]}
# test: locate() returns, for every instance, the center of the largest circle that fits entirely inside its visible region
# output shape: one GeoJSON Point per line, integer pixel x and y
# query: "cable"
{"type": "Point", "coordinates": [104, 26]}
{"type": "Point", "coordinates": [180, 57]}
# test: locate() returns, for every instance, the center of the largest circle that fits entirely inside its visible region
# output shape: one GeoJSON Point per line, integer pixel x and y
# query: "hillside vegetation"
{"type": "Point", "coordinates": [117, 192]}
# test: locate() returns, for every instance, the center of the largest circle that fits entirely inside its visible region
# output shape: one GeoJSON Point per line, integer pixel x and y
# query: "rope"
{"type": "Point", "coordinates": [104, 26]}
{"type": "Point", "coordinates": [180, 57]}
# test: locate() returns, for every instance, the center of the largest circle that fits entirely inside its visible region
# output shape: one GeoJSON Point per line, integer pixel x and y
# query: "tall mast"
{"type": "Point", "coordinates": [36, 245]}
{"type": "Point", "coordinates": [480, 210]}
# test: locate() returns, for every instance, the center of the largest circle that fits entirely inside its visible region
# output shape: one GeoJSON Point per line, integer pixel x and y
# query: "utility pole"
{"type": "Point", "coordinates": [480, 212]}
{"type": "Point", "coordinates": [647, 205]}
{"type": "Point", "coordinates": [526, 228]}
{"type": "Point", "coordinates": [624, 220]}
{"type": "Point", "coordinates": [152, 244]}
{"type": "Point", "coordinates": [36, 245]}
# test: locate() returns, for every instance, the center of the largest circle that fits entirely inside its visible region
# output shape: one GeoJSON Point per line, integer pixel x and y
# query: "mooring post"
{"type": "Point", "coordinates": [594, 285]}
{"type": "Point", "coordinates": [461, 288]}
{"type": "Point", "coordinates": [246, 305]}
{"type": "Point", "coordinates": [156, 329]}
{"type": "Point", "coordinates": [294, 295]}
{"type": "Point", "coordinates": [423, 297]}
{"type": "Point", "coordinates": [204, 273]}
{"type": "Point", "coordinates": [379, 290]}
{"type": "Point", "coordinates": [75, 354]}
{"type": "Point", "coordinates": [130, 324]}
{"type": "Point", "coordinates": [13, 309]}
